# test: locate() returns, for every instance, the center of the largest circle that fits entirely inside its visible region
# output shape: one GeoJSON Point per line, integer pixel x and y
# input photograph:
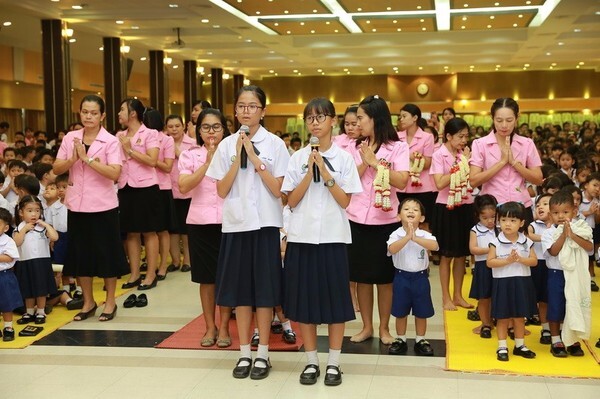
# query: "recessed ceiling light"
{"type": "Point", "coordinates": [72, 40]}
{"type": "Point", "coordinates": [389, 8]}
{"type": "Point", "coordinates": [399, 30]}
{"type": "Point", "coordinates": [423, 28]}
{"type": "Point", "coordinates": [276, 24]}
{"type": "Point", "coordinates": [216, 26]}
{"type": "Point", "coordinates": [319, 70]}
{"type": "Point", "coordinates": [560, 43]}
{"type": "Point", "coordinates": [7, 23]}
{"type": "Point", "coordinates": [370, 69]}
{"type": "Point", "coordinates": [528, 2]}
{"type": "Point", "coordinates": [553, 64]}
{"type": "Point", "coordinates": [548, 53]}
{"type": "Point", "coordinates": [445, 66]}
{"type": "Point", "coordinates": [258, 13]}
{"type": "Point", "coordinates": [345, 69]}
{"type": "Point", "coordinates": [205, 20]}
{"type": "Point", "coordinates": [288, 32]}
{"type": "Point", "coordinates": [359, 9]}
{"type": "Point", "coordinates": [420, 68]}
{"type": "Point", "coordinates": [291, 60]}
{"type": "Point", "coordinates": [295, 71]}
{"type": "Point", "coordinates": [496, 4]}
{"type": "Point", "coordinates": [471, 66]}
{"type": "Point", "coordinates": [312, 31]}
{"type": "Point", "coordinates": [395, 21]}
{"type": "Point", "coordinates": [315, 11]}
{"type": "Point", "coordinates": [577, 66]}
{"type": "Point", "coordinates": [119, 22]}
{"type": "Point", "coordinates": [299, 73]}
{"type": "Point", "coordinates": [336, 31]}
{"type": "Point", "coordinates": [576, 30]}
{"type": "Point", "coordinates": [526, 65]}
{"type": "Point", "coordinates": [373, 30]}
{"type": "Point", "coordinates": [464, 18]}
{"type": "Point", "coordinates": [492, 17]}
{"type": "Point", "coordinates": [462, 27]}
{"type": "Point", "coordinates": [77, 7]}
{"type": "Point", "coordinates": [515, 25]}
{"type": "Point", "coordinates": [271, 71]}
{"type": "Point", "coordinates": [327, 23]}
{"type": "Point", "coordinates": [520, 15]}
{"type": "Point", "coordinates": [465, 5]}
{"type": "Point", "coordinates": [286, 12]}
{"type": "Point", "coordinates": [271, 51]}
{"type": "Point", "coordinates": [135, 27]}
{"type": "Point", "coordinates": [489, 26]}
{"type": "Point", "coordinates": [210, 53]}
{"type": "Point", "coordinates": [368, 21]}
{"type": "Point", "coordinates": [421, 20]}
{"type": "Point", "coordinates": [173, 5]}
{"type": "Point", "coordinates": [498, 66]}
{"type": "Point", "coordinates": [581, 63]}
{"type": "Point", "coordinates": [101, 48]}
{"type": "Point", "coordinates": [418, 7]}
{"type": "Point", "coordinates": [143, 58]}
{"type": "Point", "coordinates": [302, 23]}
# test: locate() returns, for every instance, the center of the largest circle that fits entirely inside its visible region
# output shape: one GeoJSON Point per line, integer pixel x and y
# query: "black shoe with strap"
{"type": "Point", "coordinates": [310, 374]}
{"type": "Point", "coordinates": [242, 371]}
{"type": "Point", "coordinates": [259, 373]}
{"type": "Point", "coordinates": [334, 378]}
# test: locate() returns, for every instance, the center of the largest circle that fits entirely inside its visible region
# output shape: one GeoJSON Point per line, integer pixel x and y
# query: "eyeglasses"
{"type": "Point", "coordinates": [251, 109]}
{"type": "Point", "coordinates": [319, 118]}
{"type": "Point", "coordinates": [205, 127]}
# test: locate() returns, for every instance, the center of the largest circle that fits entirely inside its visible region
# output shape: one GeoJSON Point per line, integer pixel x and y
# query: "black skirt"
{"type": "Point", "coordinates": [181, 208]}
{"type": "Point", "coordinates": [513, 297]}
{"type": "Point", "coordinates": [451, 228]}
{"type": "Point", "coordinates": [481, 285]}
{"type": "Point", "coordinates": [35, 277]}
{"type": "Point", "coordinates": [369, 263]}
{"type": "Point", "coordinates": [166, 213]}
{"type": "Point", "coordinates": [138, 209]}
{"type": "Point", "coordinates": [204, 243]}
{"type": "Point", "coordinates": [317, 284]}
{"type": "Point", "coordinates": [249, 272]}
{"type": "Point", "coordinates": [427, 199]}
{"type": "Point", "coordinates": [95, 247]}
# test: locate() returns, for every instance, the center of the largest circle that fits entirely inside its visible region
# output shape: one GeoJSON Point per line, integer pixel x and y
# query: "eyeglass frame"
{"type": "Point", "coordinates": [205, 127]}
{"type": "Point", "coordinates": [314, 118]}
{"type": "Point", "coordinates": [246, 108]}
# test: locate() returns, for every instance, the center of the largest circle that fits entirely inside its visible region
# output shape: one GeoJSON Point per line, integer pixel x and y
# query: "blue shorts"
{"type": "Point", "coordinates": [556, 295]}
{"type": "Point", "coordinates": [412, 291]}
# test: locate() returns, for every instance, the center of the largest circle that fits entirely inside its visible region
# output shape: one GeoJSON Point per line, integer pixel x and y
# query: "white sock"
{"type": "Point", "coordinates": [256, 331]}
{"type": "Point", "coordinates": [262, 353]}
{"type": "Point", "coordinates": [276, 318]}
{"type": "Point", "coordinates": [245, 351]}
{"type": "Point", "coordinates": [286, 325]}
{"type": "Point", "coordinates": [30, 311]}
{"type": "Point", "coordinates": [546, 326]}
{"type": "Point", "coordinates": [312, 358]}
{"type": "Point", "coordinates": [41, 311]}
{"type": "Point", "coordinates": [78, 288]}
{"type": "Point", "coordinates": [419, 339]}
{"type": "Point", "coordinates": [334, 359]}
{"type": "Point", "coordinates": [519, 342]}
{"type": "Point", "coordinates": [402, 337]}
{"type": "Point", "coordinates": [66, 288]}
{"type": "Point", "coordinates": [502, 343]}
{"type": "Point", "coordinates": [556, 339]}
{"type": "Point", "coordinates": [8, 324]}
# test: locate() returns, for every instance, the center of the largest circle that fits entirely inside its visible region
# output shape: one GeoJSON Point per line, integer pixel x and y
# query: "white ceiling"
{"type": "Point", "coordinates": [570, 35]}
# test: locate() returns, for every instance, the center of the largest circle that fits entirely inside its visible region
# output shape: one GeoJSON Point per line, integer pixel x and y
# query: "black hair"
{"type": "Point", "coordinates": [93, 99]}
{"type": "Point", "coordinates": [28, 183]}
{"type": "Point", "coordinates": [203, 114]}
{"type": "Point", "coordinates": [40, 169]}
{"type": "Point", "coordinates": [513, 210]}
{"type": "Point", "coordinates": [592, 176]}
{"type": "Point", "coordinates": [296, 140]}
{"type": "Point", "coordinates": [565, 180]}
{"type": "Point", "coordinates": [2, 178]}
{"type": "Point", "coordinates": [412, 109]}
{"type": "Point", "coordinates": [64, 178]}
{"type": "Point", "coordinates": [5, 216]}
{"type": "Point", "coordinates": [153, 119]}
{"type": "Point", "coordinates": [7, 149]}
{"type": "Point", "coordinates": [41, 153]}
{"type": "Point", "coordinates": [572, 189]}
{"type": "Point", "coordinates": [258, 92]}
{"type": "Point", "coordinates": [482, 202]}
{"type": "Point", "coordinates": [505, 102]}
{"type": "Point", "coordinates": [544, 195]}
{"type": "Point", "coordinates": [40, 144]}
{"type": "Point", "coordinates": [454, 126]}
{"type": "Point", "coordinates": [135, 105]}
{"type": "Point", "coordinates": [376, 108]}
{"type": "Point", "coordinates": [562, 197]}
{"type": "Point", "coordinates": [450, 109]}
{"type": "Point", "coordinates": [319, 105]}
{"type": "Point", "coordinates": [4, 125]}
{"type": "Point", "coordinates": [27, 149]}
{"type": "Point", "coordinates": [350, 110]}
{"type": "Point", "coordinates": [557, 147]}
{"type": "Point", "coordinates": [24, 201]}
{"type": "Point", "coordinates": [16, 163]}
{"type": "Point", "coordinates": [412, 199]}
{"type": "Point", "coordinates": [173, 116]}
{"type": "Point", "coordinates": [37, 133]}
{"type": "Point", "coordinates": [434, 132]}
{"type": "Point", "coordinates": [202, 103]}
{"type": "Point", "coordinates": [552, 182]}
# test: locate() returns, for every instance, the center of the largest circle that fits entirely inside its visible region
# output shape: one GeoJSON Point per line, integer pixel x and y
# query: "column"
{"type": "Point", "coordinates": [190, 86]}
{"type": "Point", "coordinates": [57, 78]}
{"type": "Point", "coordinates": [217, 88]}
{"type": "Point", "coordinates": [238, 83]}
{"type": "Point", "coordinates": [115, 84]}
{"type": "Point", "coordinates": [158, 88]}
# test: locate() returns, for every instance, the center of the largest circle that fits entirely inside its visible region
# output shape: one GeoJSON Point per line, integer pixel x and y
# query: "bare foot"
{"type": "Point", "coordinates": [362, 336]}
{"type": "Point", "coordinates": [463, 304]}
{"type": "Point", "coordinates": [385, 337]}
{"type": "Point", "coordinates": [449, 306]}
{"type": "Point", "coordinates": [477, 329]}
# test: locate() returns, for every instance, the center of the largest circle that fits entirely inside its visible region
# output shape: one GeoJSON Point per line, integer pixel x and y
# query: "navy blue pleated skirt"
{"type": "Point", "coordinates": [10, 294]}
{"type": "Point", "coordinates": [317, 283]}
{"type": "Point", "coordinates": [539, 275]}
{"type": "Point", "coordinates": [35, 277]}
{"type": "Point", "coordinates": [59, 252]}
{"type": "Point", "coordinates": [249, 269]}
{"type": "Point", "coordinates": [513, 297]}
{"type": "Point", "coordinates": [481, 285]}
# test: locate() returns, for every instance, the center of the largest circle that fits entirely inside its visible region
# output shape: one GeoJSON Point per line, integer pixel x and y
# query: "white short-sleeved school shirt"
{"type": "Point", "coordinates": [8, 247]}
{"type": "Point", "coordinates": [250, 205]}
{"type": "Point", "coordinates": [539, 227]}
{"type": "Point", "coordinates": [35, 245]}
{"type": "Point", "coordinates": [503, 249]}
{"type": "Point", "coordinates": [484, 237]}
{"type": "Point", "coordinates": [590, 219]}
{"type": "Point", "coordinates": [548, 240]}
{"type": "Point", "coordinates": [56, 216]}
{"type": "Point", "coordinates": [318, 218]}
{"type": "Point", "coordinates": [412, 257]}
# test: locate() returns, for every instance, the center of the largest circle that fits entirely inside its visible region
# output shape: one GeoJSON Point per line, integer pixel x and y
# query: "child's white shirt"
{"type": "Point", "coordinates": [412, 257]}
{"type": "Point", "coordinates": [503, 249]}
{"type": "Point", "coordinates": [35, 244]}
{"type": "Point", "coordinates": [8, 247]}
{"type": "Point", "coordinates": [56, 216]}
{"type": "Point", "coordinates": [484, 237]}
{"type": "Point", "coordinates": [539, 227]}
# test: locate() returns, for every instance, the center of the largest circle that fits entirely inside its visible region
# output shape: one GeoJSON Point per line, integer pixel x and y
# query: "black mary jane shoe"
{"type": "Point", "coordinates": [310, 378]}
{"type": "Point", "coordinates": [9, 334]}
{"type": "Point", "coordinates": [523, 351]}
{"type": "Point", "coordinates": [108, 316]}
{"type": "Point", "coordinates": [141, 301]}
{"type": "Point", "coordinates": [502, 354]}
{"type": "Point", "coordinates": [143, 287]}
{"type": "Point", "coordinates": [242, 371]}
{"type": "Point", "coordinates": [132, 284]}
{"type": "Point", "coordinates": [423, 348]}
{"type": "Point", "coordinates": [161, 277]}
{"type": "Point", "coordinates": [398, 347]}
{"type": "Point", "coordinates": [26, 319]}
{"type": "Point", "coordinates": [259, 373]}
{"type": "Point", "coordinates": [332, 379]}
{"type": "Point", "coordinates": [486, 332]}
{"type": "Point", "coordinates": [130, 302]}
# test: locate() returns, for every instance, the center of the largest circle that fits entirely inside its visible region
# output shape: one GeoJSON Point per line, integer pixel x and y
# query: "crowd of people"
{"type": "Point", "coordinates": [268, 225]}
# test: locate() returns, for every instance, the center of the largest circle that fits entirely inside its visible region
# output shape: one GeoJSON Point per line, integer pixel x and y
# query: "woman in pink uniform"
{"type": "Point", "coordinates": [503, 161]}
{"type": "Point", "coordinates": [92, 157]}
{"type": "Point", "coordinates": [372, 223]}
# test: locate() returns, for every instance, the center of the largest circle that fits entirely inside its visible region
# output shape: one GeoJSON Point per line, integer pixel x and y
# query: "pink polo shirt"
{"type": "Point", "coordinates": [88, 190]}
{"type": "Point", "coordinates": [344, 141]}
{"type": "Point", "coordinates": [135, 173]}
{"type": "Point", "coordinates": [206, 206]}
{"type": "Point", "coordinates": [441, 162]}
{"type": "Point", "coordinates": [507, 185]}
{"type": "Point", "coordinates": [166, 150]}
{"type": "Point", "coordinates": [361, 208]}
{"type": "Point", "coordinates": [185, 144]}
{"type": "Point", "coordinates": [422, 142]}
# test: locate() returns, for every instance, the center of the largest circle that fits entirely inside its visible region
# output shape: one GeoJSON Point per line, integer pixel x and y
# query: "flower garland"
{"type": "Point", "coordinates": [460, 188]}
{"type": "Point", "coordinates": [416, 167]}
{"type": "Point", "coordinates": [382, 187]}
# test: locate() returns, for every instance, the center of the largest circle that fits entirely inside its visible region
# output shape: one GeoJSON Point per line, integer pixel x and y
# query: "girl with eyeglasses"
{"type": "Point", "coordinates": [249, 268]}
{"type": "Point", "coordinates": [204, 220]}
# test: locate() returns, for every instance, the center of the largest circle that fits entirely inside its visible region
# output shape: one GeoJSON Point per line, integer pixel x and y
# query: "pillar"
{"type": "Point", "coordinates": [115, 83]}
{"type": "Point", "coordinates": [158, 81]}
{"type": "Point", "coordinates": [217, 88]}
{"type": "Point", "coordinates": [190, 86]}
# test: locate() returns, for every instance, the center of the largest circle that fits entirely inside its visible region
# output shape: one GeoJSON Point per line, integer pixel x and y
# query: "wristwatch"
{"type": "Point", "coordinates": [90, 160]}
{"type": "Point", "coordinates": [262, 167]}
{"type": "Point", "coordinates": [130, 151]}
{"type": "Point", "coordinates": [329, 183]}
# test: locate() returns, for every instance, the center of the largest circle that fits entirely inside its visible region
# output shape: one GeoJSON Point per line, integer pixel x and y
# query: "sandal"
{"type": "Point", "coordinates": [108, 316]}
{"type": "Point", "coordinates": [486, 332]}
{"type": "Point", "coordinates": [84, 315]}
{"type": "Point", "coordinates": [209, 341]}
{"type": "Point", "coordinates": [224, 342]}
{"type": "Point", "coordinates": [473, 315]}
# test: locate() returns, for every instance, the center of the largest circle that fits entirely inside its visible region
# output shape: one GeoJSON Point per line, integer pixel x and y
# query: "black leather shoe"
{"type": "Point", "coordinates": [332, 379]}
{"type": "Point", "coordinates": [259, 373]}
{"type": "Point", "coordinates": [486, 332]}
{"type": "Point", "coordinates": [575, 349]}
{"type": "Point", "coordinates": [310, 378]}
{"type": "Point", "coordinates": [130, 302]}
{"type": "Point", "coordinates": [558, 350]}
{"type": "Point", "coordinates": [255, 340]}
{"type": "Point", "coordinates": [78, 295]}
{"type": "Point", "coordinates": [242, 371]}
{"type": "Point", "coordinates": [172, 268]}
{"type": "Point", "coordinates": [144, 267]}
{"type": "Point", "coordinates": [523, 351]}
{"type": "Point", "coordinates": [141, 301]}
{"type": "Point", "coordinates": [143, 287]}
{"type": "Point", "coordinates": [502, 354]}
{"type": "Point", "coordinates": [132, 284]}
{"type": "Point", "coordinates": [186, 268]}
{"type": "Point", "coordinates": [545, 337]}
{"type": "Point", "coordinates": [398, 347]}
{"type": "Point", "coordinates": [9, 334]}
{"type": "Point", "coordinates": [289, 337]}
{"type": "Point", "coordinates": [161, 277]}
{"type": "Point", "coordinates": [75, 304]}
{"type": "Point", "coordinates": [423, 348]}
{"type": "Point", "coordinates": [27, 318]}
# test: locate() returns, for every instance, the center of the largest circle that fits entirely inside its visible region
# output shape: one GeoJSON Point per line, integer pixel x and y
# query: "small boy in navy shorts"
{"type": "Point", "coordinates": [408, 248]}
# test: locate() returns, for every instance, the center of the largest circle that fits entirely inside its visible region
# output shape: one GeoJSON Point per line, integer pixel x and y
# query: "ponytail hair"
{"type": "Point", "coordinates": [24, 201]}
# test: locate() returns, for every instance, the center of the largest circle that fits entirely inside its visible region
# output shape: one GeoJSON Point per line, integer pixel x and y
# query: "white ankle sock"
{"type": "Point", "coordinates": [519, 342]}
{"type": "Point", "coordinates": [262, 353]}
{"type": "Point", "coordinates": [419, 339]}
{"type": "Point", "coordinates": [546, 326]}
{"type": "Point", "coordinates": [8, 324]}
{"type": "Point", "coordinates": [556, 339]}
{"type": "Point", "coordinates": [312, 358]}
{"type": "Point", "coordinates": [245, 351]}
{"type": "Point", "coordinates": [502, 343]}
{"type": "Point", "coordinates": [334, 359]}
{"type": "Point", "coordinates": [286, 325]}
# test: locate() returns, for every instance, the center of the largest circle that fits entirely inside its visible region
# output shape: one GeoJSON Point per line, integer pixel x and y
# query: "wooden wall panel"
{"type": "Point", "coordinates": [6, 63]}
{"type": "Point", "coordinates": [33, 67]}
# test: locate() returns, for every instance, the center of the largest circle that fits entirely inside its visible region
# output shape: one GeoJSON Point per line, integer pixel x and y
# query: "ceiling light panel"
{"type": "Point", "coordinates": [387, 24]}
{"type": "Point", "coordinates": [352, 6]}
{"type": "Point", "coordinates": [500, 21]}
{"type": "Point", "coordinates": [278, 7]}
{"type": "Point", "coordinates": [304, 27]}
{"type": "Point", "coordinates": [492, 3]}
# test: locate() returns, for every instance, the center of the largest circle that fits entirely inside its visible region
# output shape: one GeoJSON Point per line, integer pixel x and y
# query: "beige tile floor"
{"type": "Point", "coordinates": [105, 372]}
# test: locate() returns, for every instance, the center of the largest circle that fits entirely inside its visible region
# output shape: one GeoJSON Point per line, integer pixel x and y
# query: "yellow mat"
{"type": "Point", "coordinates": [59, 317]}
{"type": "Point", "coordinates": [468, 352]}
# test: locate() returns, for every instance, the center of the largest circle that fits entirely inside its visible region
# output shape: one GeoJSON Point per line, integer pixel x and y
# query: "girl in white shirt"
{"type": "Point", "coordinates": [316, 275]}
